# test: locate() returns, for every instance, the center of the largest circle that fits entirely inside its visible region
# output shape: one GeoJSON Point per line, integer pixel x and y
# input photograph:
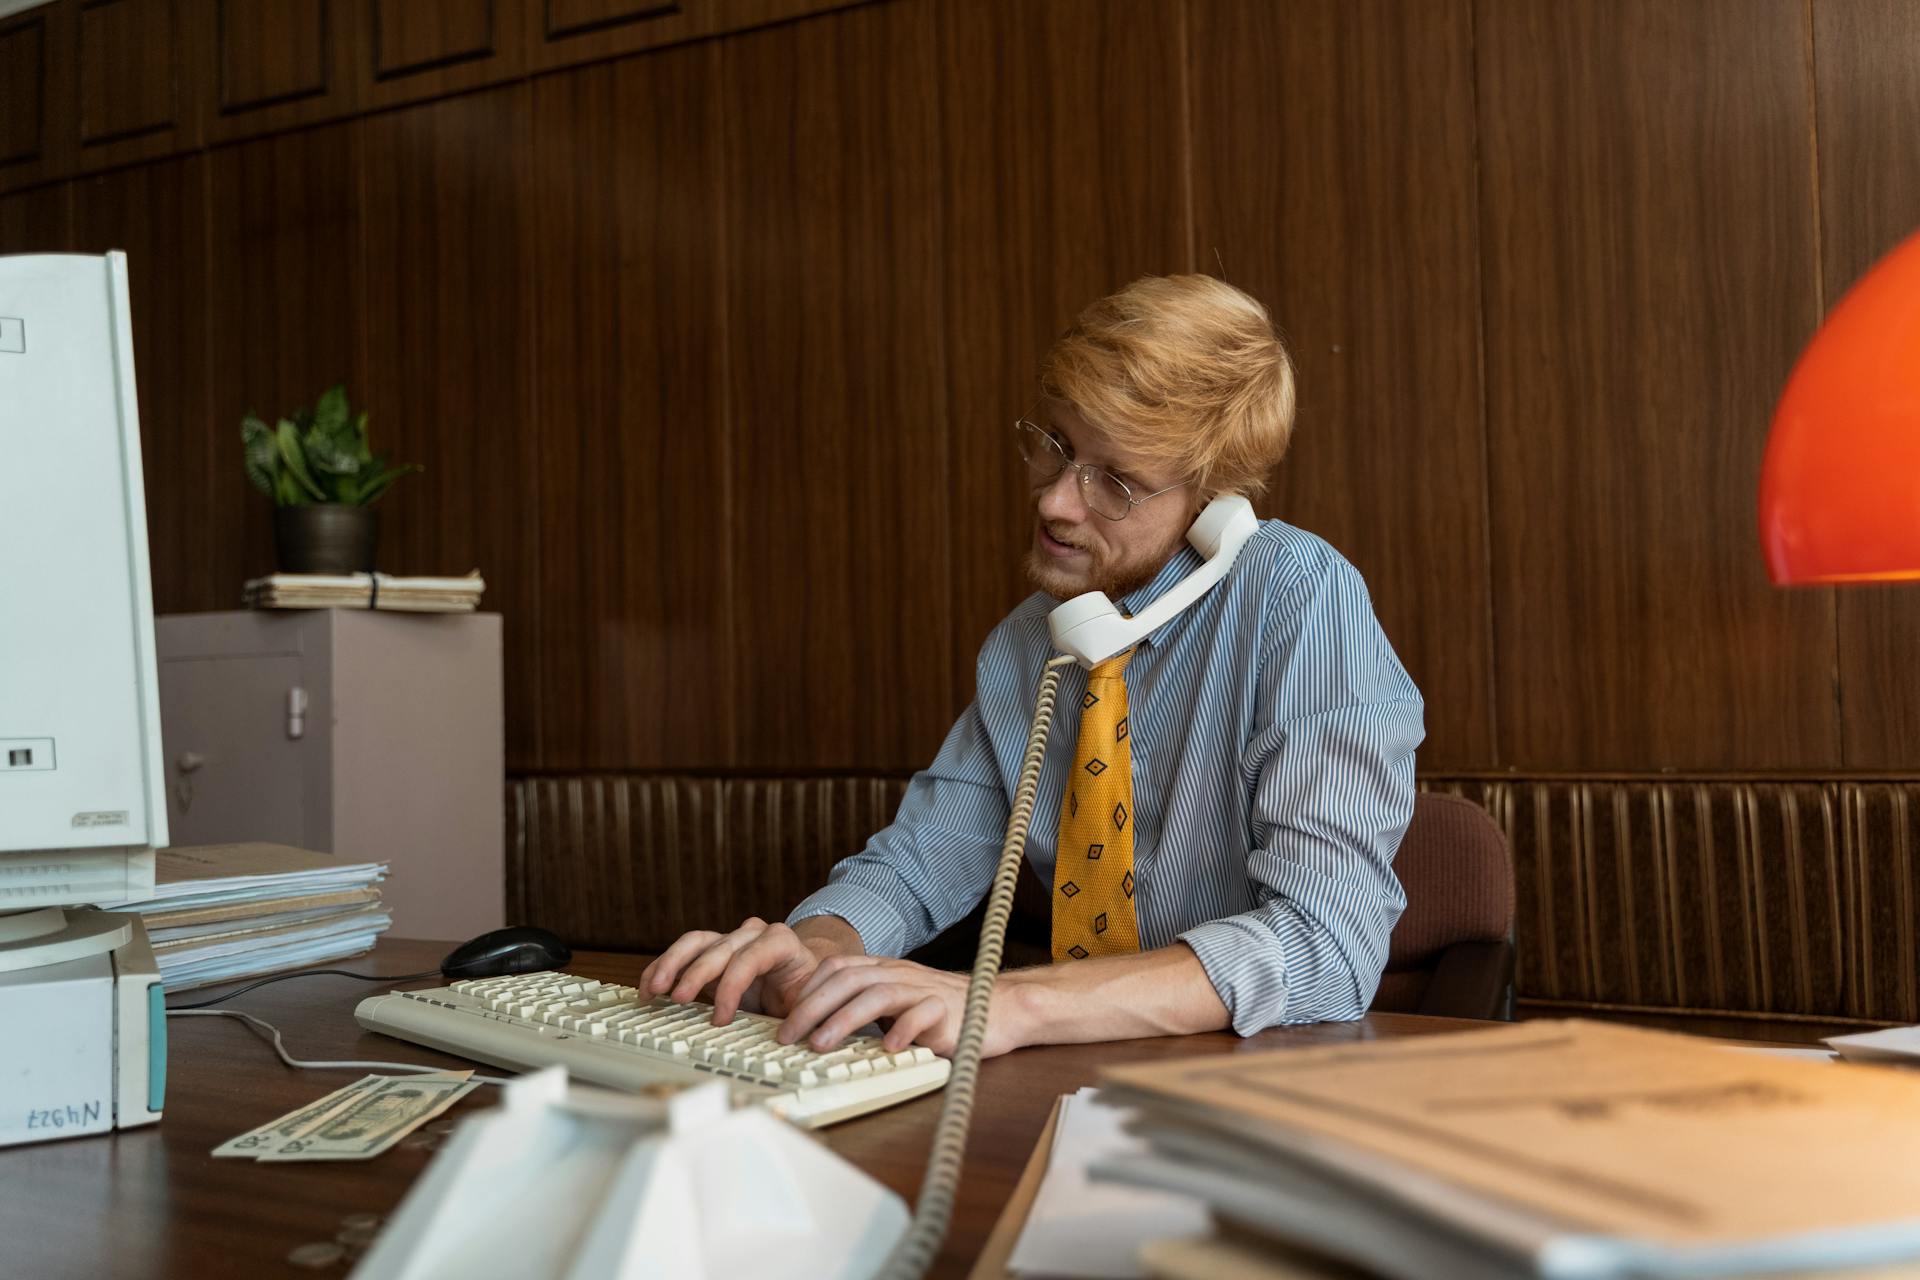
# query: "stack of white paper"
{"type": "Point", "coordinates": [365, 591]}
{"type": "Point", "coordinates": [232, 911]}
{"type": "Point", "coordinates": [1078, 1227]}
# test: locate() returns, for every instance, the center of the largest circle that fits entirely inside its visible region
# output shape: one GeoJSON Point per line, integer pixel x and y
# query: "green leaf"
{"type": "Point", "coordinates": [295, 457]}
{"type": "Point", "coordinates": [286, 491]}
{"type": "Point", "coordinates": [330, 414]}
{"type": "Point", "coordinates": [363, 450]}
{"type": "Point", "coordinates": [331, 453]}
{"type": "Point", "coordinates": [259, 453]}
{"type": "Point", "coordinates": [375, 485]}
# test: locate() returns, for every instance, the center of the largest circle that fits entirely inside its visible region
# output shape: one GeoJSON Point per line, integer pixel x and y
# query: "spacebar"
{"type": "Point", "coordinates": [523, 1048]}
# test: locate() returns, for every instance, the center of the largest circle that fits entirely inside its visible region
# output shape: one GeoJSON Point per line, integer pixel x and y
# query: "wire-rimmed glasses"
{"type": "Point", "coordinates": [1104, 493]}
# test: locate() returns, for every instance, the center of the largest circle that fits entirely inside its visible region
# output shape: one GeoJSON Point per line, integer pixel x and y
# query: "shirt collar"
{"type": "Point", "coordinates": [1184, 562]}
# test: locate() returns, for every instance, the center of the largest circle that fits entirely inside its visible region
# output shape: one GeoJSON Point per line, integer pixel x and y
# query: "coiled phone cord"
{"type": "Point", "coordinates": [934, 1208]}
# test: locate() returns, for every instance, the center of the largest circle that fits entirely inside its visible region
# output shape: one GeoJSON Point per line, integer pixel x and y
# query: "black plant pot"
{"type": "Point", "coordinates": [326, 538]}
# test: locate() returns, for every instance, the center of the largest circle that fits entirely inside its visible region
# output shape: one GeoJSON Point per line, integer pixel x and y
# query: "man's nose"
{"type": "Point", "coordinates": [1062, 499]}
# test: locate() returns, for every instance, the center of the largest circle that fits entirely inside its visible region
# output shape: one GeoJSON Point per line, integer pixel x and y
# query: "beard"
{"type": "Point", "coordinates": [1113, 578]}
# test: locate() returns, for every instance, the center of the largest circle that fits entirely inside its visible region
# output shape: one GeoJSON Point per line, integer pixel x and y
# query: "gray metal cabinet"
{"type": "Point", "coordinates": [373, 735]}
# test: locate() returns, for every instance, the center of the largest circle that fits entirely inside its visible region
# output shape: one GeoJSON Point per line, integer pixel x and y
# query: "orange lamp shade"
{"type": "Point", "coordinates": [1840, 489]}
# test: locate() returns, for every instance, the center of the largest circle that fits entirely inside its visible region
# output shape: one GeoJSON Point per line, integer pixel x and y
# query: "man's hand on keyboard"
{"type": "Point", "coordinates": [759, 966]}
{"type": "Point", "coordinates": [846, 993]}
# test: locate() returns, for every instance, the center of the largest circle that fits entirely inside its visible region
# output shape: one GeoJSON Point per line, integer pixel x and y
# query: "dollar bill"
{"type": "Point", "coordinates": [375, 1119]}
{"type": "Point", "coordinates": [275, 1132]}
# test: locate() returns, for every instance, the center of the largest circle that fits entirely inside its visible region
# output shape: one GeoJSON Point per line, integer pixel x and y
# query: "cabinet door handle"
{"type": "Point", "coordinates": [189, 761]}
{"type": "Point", "coordinates": [296, 712]}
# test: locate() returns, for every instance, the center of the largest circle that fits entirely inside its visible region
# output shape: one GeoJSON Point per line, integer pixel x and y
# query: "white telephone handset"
{"type": "Point", "coordinates": [1090, 629]}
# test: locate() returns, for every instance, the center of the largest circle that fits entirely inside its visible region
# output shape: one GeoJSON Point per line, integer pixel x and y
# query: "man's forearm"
{"type": "Point", "coordinates": [829, 936]}
{"type": "Point", "coordinates": [1164, 992]}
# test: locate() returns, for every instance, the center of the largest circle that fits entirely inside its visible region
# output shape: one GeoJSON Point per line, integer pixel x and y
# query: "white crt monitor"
{"type": "Point", "coordinates": [82, 799]}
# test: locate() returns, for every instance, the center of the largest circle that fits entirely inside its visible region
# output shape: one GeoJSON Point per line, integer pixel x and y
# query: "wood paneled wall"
{"type": "Point", "coordinates": [708, 325]}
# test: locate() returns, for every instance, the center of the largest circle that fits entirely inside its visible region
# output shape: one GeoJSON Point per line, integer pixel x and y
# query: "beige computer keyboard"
{"type": "Point", "coordinates": [612, 1035]}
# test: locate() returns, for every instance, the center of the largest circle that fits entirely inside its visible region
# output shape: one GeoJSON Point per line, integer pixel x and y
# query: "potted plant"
{"type": "Point", "coordinates": [323, 479]}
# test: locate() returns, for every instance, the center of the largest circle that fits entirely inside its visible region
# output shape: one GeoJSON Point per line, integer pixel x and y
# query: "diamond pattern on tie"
{"type": "Point", "coordinates": [1093, 912]}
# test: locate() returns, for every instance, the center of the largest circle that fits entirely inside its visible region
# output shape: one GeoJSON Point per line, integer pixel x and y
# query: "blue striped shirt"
{"type": "Point", "coordinates": [1273, 733]}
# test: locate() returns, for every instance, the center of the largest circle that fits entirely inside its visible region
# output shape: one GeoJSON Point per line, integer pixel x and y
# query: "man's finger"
{"type": "Point", "coordinates": [827, 997]}
{"type": "Point", "coordinates": [710, 963]}
{"type": "Point", "coordinates": [773, 948]}
{"type": "Point", "coordinates": [659, 975]}
{"type": "Point", "coordinates": [833, 966]}
{"type": "Point", "coordinates": [915, 1023]}
{"type": "Point", "coordinates": [881, 1000]}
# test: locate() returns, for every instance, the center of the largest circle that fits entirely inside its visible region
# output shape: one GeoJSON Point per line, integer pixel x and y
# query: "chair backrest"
{"type": "Point", "coordinates": [1458, 876]}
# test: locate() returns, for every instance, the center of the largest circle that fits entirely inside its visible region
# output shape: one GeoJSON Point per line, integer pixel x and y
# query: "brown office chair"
{"type": "Point", "coordinates": [1452, 951]}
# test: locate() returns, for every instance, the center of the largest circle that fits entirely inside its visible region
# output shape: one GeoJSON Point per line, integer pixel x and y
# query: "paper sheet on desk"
{"type": "Point", "coordinates": [1095, 1229]}
{"type": "Point", "coordinates": [1895, 1046]}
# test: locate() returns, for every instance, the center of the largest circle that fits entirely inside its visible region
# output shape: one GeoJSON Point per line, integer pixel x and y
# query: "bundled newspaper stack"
{"type": "Point", "coordinates": [365, 591]}
{"type": "Point", "coordinates": [1563, 1149]}
{"type": "Point", "coordinates": [221, 912]}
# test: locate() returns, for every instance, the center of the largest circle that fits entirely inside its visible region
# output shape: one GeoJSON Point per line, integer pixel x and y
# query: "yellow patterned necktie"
{"type": "Point", "coordinates": [1093, 862]}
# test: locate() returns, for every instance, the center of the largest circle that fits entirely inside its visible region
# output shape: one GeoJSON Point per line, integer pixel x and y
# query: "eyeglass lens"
{"type": "Point", "coordinates": [1099, 489]}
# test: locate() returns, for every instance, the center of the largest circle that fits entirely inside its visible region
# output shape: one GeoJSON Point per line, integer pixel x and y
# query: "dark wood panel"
{"type": "Point", "coordinates": [445, 321]}
{"type": "Point", "coordinates": [565, 32]}
{"type": "Point", "coordinates": [1649, 277]}
{"type": "Point", "coordinates": [577, 17]}
{"type": "Point", "coordinates": [420, 49]}
{"type": "Point", "coordinates": [836, 378]}
{"type": "Point", "coordinates": [126, 81]}
{"type": "Point", "coordinates": [157, 214]}
{"type": "Point", "coordinates": [1867, 101]}
{"type": "Point", "coordinates": [37, 221]}
{"type": "Point", "coordinates": [412, 37]}
{"type": "Point", "coordinates": [286, 319]}
{"type": "Point", "coordinates": [36, 96]}
{"type": "Point", "coordinates": [1063, 159]}
{"type": "Point", "coordinates": [1333, 174]}
{"type": "Point", "coordinates": [24, 73]}
{"type": "Point", "coordinates": [282, 63]}
{"type": "Point", "coordinates": [636, 628]}
{"type": "Point", "coordinates": [271, 52]}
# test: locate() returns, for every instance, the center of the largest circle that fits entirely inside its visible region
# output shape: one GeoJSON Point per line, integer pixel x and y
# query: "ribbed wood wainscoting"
{"type": "Point", "coordinates": [1746, 896]}
{"type": "Point", "coordinates": [1712, 893]}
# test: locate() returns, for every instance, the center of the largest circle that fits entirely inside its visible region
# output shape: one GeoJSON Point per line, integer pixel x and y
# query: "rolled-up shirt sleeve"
{"type": "Point", "coordinates": [928, 868]}
{"type": "Point", "coordinates": [1330, 769]}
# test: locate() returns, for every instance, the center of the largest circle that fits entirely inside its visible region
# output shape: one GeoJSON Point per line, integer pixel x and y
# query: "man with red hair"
{"type": "Point", "coordinates": [1220, 839]}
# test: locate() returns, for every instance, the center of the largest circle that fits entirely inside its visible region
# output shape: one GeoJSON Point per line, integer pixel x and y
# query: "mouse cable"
{"type": "Point", "coordinates": [304, 973]}
{"type": "Point", "coordinates": [280, 1048]}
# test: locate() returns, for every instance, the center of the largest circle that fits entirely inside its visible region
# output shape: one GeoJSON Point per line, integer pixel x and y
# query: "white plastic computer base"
{"type": "Point", "coordinates": [584, 1184]}
{"type": "Point", "coordinates": [85, 1046]}
{"type": "Point", "coordinates": [51, 935]}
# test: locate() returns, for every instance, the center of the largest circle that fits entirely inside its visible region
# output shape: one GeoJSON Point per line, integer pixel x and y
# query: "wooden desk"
{"type": "Point", "coordinates": [152, 1202]}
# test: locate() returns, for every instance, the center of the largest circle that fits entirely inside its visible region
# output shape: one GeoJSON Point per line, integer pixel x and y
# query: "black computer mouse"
{"type": "Point", "coordinates": [519, 949]}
